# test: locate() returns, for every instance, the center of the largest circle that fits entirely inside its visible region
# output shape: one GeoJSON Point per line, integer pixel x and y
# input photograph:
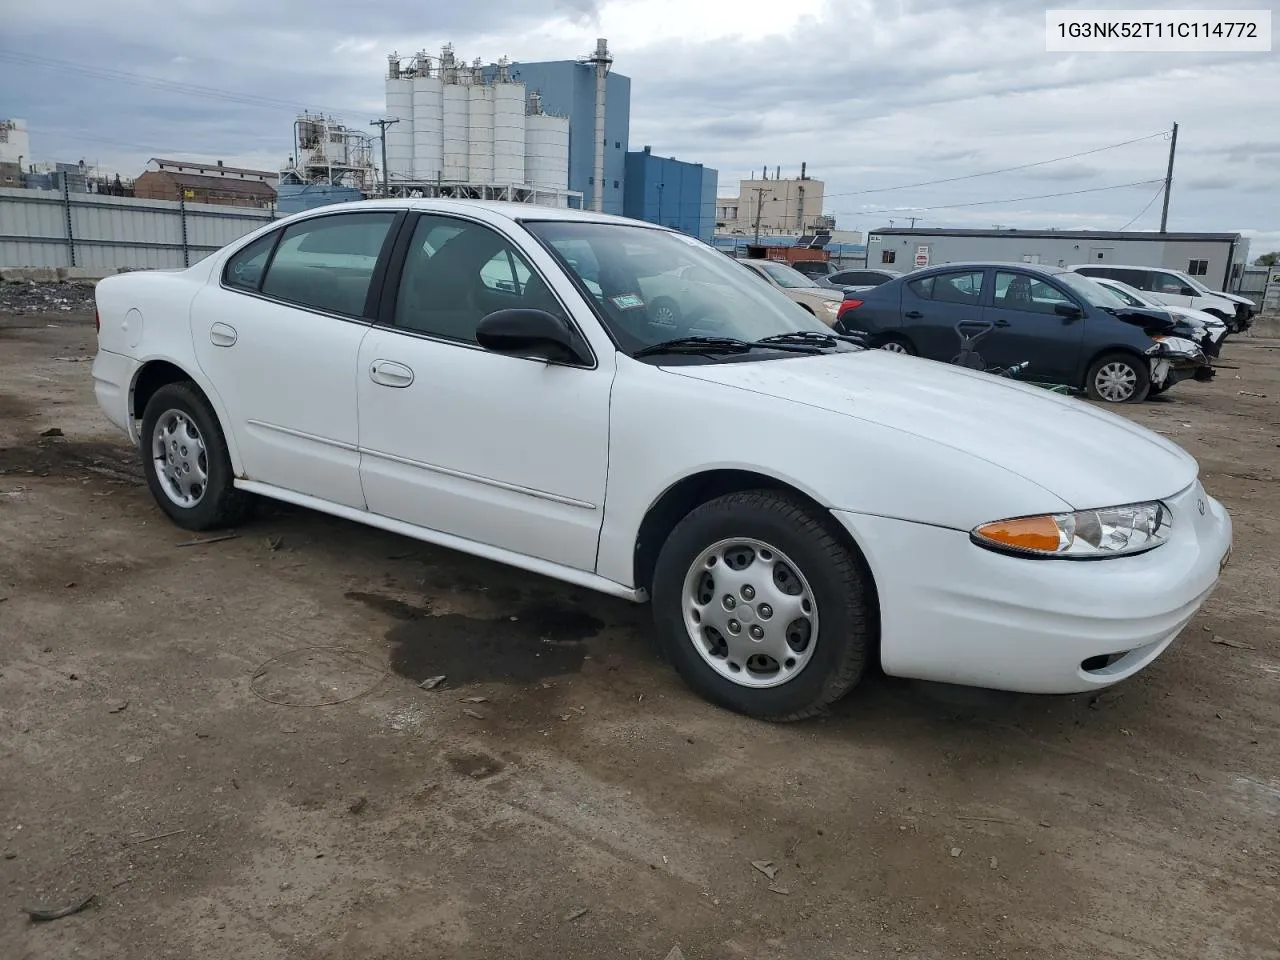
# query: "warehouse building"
{"type": "Point", "coordinates": [1216, 259]}
{"type": "Point", "coordinates": [206, 183]}
{"type": "Point", "coordinates": [774, 206]}
{"type": "Point", "coordinates": [671, 192]}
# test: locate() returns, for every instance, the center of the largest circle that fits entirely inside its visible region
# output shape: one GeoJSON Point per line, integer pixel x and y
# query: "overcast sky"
{"type": "Point", "coordinates": [871, 93]}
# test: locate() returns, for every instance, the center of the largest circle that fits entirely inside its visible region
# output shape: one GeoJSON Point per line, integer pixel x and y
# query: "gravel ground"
{"type": "Point", "coordinates": [227, 746]}
{"type": "Point", "coordinates": [28, 297]}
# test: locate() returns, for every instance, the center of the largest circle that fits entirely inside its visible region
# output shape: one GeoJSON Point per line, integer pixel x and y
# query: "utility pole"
{"type": "Point", "coordinates": [759, 191]}
{"type": "Point", "coordinates": [382, 135]}
{"type": "Point", "coordinates": [913, 221]}
{"type": "Point", "coordinates": [1168, 180]}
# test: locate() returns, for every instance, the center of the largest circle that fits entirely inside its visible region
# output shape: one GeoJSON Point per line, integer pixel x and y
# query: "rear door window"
{"type": "Point", "coordinates": [326, 263]}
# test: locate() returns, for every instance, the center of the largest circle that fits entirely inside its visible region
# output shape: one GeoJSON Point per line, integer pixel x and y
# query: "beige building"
{"type": "Point", "coordinates": [784, 206]}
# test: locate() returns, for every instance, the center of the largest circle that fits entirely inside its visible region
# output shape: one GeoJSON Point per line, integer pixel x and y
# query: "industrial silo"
{"type": "Point", "coordinates": [480, 104]}
{"type": "Point", "coordinates": [546, 148]}
{"type": "Point", "coordinates": [508, 132]}
{"type": "Point", "coordinates": [427, 122]}
{"type": "Point", "coordinates": [399, 135]}
{"type": "Point", "coordinates": [457, 130]}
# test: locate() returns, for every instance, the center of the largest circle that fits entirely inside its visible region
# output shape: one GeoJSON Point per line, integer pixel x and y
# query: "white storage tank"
{"type": "Point", "coordinates": [428, 136]}
{"type": "Point", "coordinates": [457, 131]}
{"type": "Point", "coordinates": [547, 151]}
{"type": "Point", "coordinates": [480, 122]}
{"type": "Point", "coordinates": [400, 135]}
{"type": "Point", "coordinates": [508, 133]}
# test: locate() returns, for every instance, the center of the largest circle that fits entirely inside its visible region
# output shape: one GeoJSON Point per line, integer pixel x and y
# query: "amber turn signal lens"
{"type": "Point", "coordinates": [1040, 534]}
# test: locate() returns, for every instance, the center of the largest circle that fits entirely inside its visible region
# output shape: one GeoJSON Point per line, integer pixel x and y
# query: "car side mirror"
{"type": "Point", "coordinates": [1187, 292]}
{"type": "Point", "coordinates": [1068, 311]}
{"type": "Point", "coordinates": [522, 331]}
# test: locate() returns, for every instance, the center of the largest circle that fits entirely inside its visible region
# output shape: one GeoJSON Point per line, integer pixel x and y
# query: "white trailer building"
{"type": "Point", "coordinates": [1216, 259]}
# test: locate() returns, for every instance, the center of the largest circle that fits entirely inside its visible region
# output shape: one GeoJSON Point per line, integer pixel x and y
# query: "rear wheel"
{"type": "Point", "coordinates": [896, 344]}
{"type": "Point", "coordinates": [1118, 378]}
{"type": "Point", "coordinates": [184, 457]}
{"type": "Point", "coordinates": [761, 607]}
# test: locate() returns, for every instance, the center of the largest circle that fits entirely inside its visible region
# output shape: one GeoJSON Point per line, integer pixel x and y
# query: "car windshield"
{"type": "Point", "coordinates": [785, 276]}
{"type": "Point", "coordinates": [1194, 284]}
{"type": "Point", "coordinates": [651, 286]}
{"type": "Point", "coordinates": [1090, 291]}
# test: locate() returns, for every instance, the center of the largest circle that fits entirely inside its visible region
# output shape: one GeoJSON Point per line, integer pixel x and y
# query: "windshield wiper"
{"type": "Point", "coordinates": [710, 345]}
{"type": "Point", "coordinates": [809, 338]}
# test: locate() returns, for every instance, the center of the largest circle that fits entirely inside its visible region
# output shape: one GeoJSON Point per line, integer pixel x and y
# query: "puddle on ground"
{"type": "Point", "coordinates": [533, 642]}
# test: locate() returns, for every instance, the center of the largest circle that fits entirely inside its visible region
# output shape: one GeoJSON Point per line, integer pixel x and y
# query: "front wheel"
{"type": "Point", "coordinates": [762, 608]}
{"type": "Point", "coordinates": [184, 457]}
{"type": "Point", "coordinates": [1118, 378]}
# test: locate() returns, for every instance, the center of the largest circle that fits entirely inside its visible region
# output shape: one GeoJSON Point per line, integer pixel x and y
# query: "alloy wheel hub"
{"type": "Point", "coordinates": [181, 461]}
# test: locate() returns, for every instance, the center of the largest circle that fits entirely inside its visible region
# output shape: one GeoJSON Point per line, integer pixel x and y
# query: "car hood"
{"type": "Point", "coordinates": [1085, 456]}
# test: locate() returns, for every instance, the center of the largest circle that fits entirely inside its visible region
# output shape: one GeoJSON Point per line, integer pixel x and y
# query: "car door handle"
{"type": "Point", "coordinates": [913, 314]}
{"type": "Point", "coordinates": [1001, 323]}
{"type": "Point", "coordinates": [222, 335]}
{"type": "Point", "coordinates": [390, 374]}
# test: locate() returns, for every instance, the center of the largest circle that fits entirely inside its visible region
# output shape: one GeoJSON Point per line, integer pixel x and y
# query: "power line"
{"type": "Point", "coordinates": [155, 83]}
{"type": "Point", "coordinates": [1042, 196]}
{"type": "Point", "coordinates": [989, 173]}
{"type": "Point", "coordinates": [1159, 190]}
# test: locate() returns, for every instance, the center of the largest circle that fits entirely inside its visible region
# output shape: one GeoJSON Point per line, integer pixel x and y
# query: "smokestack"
{"type": "Point", "coordinates": [802, 166]}
{"type": "Point", "coordinates": [778, 175]}
{"type": "Point", "coordinates": [602, 60]}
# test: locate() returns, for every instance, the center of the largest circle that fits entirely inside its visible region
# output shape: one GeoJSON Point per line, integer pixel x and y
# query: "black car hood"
{"type": "Point", "coordinates": [1154, 322]}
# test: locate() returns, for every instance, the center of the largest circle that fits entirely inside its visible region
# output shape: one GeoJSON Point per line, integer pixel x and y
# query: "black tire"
{"type": "Point", "coordinates": [838, 578]}
{"type": "Point", "coordinates": [1142, 378]}
{"type": "Point", "coordinates": [220, 504]}
{"type": "Point", "coordinates": [1155, 390]}
{"type": "Point", "coordinates": [907, 347]}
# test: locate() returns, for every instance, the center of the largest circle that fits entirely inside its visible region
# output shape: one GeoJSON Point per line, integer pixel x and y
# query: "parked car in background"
{"type": "Point", "coordinates": [1069, 329]}
{"type": "Point", "coordinates": [822, 302]}
{"type": "Point", "coordinates": [1176, 288]}
{"type": "Point", "coordinates": [1204, 328]}
{"type": "Point", "coordinates": [813, 269]}
{"type": "Point", "coordinates": [487, 377]}
{"type": "Point", "coordinates": [852, 281]}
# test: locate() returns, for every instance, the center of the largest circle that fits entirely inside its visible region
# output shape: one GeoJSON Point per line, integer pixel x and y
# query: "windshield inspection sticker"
{"type": "Point", "coordinates": [627, 301]}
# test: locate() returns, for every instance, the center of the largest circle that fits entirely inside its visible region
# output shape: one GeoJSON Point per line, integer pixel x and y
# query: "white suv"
{"type": "Point", "coordinates": [1177, 289]}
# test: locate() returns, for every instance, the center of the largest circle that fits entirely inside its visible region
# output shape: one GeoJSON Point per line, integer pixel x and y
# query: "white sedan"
{"type": "Point", "coordinates": [489, 377]}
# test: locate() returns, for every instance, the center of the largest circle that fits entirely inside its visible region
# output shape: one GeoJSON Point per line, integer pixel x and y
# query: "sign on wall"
{"type": "Point", "coordinates": [922, 255]}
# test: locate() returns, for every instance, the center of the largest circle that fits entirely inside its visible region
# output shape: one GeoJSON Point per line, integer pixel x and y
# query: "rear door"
{"type": "Point", "coordinates": [278, 335]}
{"type": "Point", "coordinates": [932, 306]}
{"type": "Point", "coordinates": [1029, 329]}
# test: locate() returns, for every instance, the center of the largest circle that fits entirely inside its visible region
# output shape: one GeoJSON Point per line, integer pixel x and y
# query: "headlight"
{"type": "Point", "coordinates": [1172, 347]}
{"type": "Point", "coordinates": [1086, 535]}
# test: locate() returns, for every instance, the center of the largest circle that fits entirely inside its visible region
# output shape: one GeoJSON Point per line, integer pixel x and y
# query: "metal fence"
{"type": "Point", "coordinates": [61, 228]}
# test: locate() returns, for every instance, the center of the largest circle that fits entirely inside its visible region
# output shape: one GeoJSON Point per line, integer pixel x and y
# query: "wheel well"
{"type": "Point", "coordinates": [690, 493]}
{"type": "Point", "coordinates": [151, 378]}
{"type": "Point", "coordinates": [809, 308]}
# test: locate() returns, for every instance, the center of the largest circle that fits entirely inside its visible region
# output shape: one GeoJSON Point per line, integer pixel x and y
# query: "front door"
{"type": "Point", "coordinates": [279, 336]}
{"type": "Point", "coordinates": [932, 306]}
{"type": "Point", "coordinates": [1029, 329]}
{"type": "Point", "coordinates": [500, 450]}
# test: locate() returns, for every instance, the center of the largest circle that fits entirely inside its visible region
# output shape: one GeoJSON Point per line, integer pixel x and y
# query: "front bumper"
{"type": "Point", "coordinates": [953, 612]}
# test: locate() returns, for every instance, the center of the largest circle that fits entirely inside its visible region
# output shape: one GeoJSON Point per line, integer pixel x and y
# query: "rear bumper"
{"type": "Point", "coordinates": [954, 612]}
{"type": "Point", "coordinates": [113, 375]}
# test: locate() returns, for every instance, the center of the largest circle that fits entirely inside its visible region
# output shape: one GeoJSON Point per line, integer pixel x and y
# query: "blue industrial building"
{"type": "Point", "coordinates": [568, 88]}
{"type": "Point", "coordinates": [672, 193]}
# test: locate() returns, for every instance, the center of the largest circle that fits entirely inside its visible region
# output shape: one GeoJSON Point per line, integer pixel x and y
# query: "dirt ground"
{"type": "Point", "coordinates": [227, 746]}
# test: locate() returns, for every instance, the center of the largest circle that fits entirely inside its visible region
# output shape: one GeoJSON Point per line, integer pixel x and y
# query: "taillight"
{"type": "Point", "coordinates": [847, 306]}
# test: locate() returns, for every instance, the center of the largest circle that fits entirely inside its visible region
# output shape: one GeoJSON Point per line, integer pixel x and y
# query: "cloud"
{"type": "Point", "coordinates": [870, 93]}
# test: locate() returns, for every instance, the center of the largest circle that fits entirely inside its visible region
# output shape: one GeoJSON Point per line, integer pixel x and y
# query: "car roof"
{"type": "Point", "coordinates": [983, 264]}
{"type": "Point", "coordinates": [1125, 266]}
{"type": "Point", "coordinates": [509, 210]}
